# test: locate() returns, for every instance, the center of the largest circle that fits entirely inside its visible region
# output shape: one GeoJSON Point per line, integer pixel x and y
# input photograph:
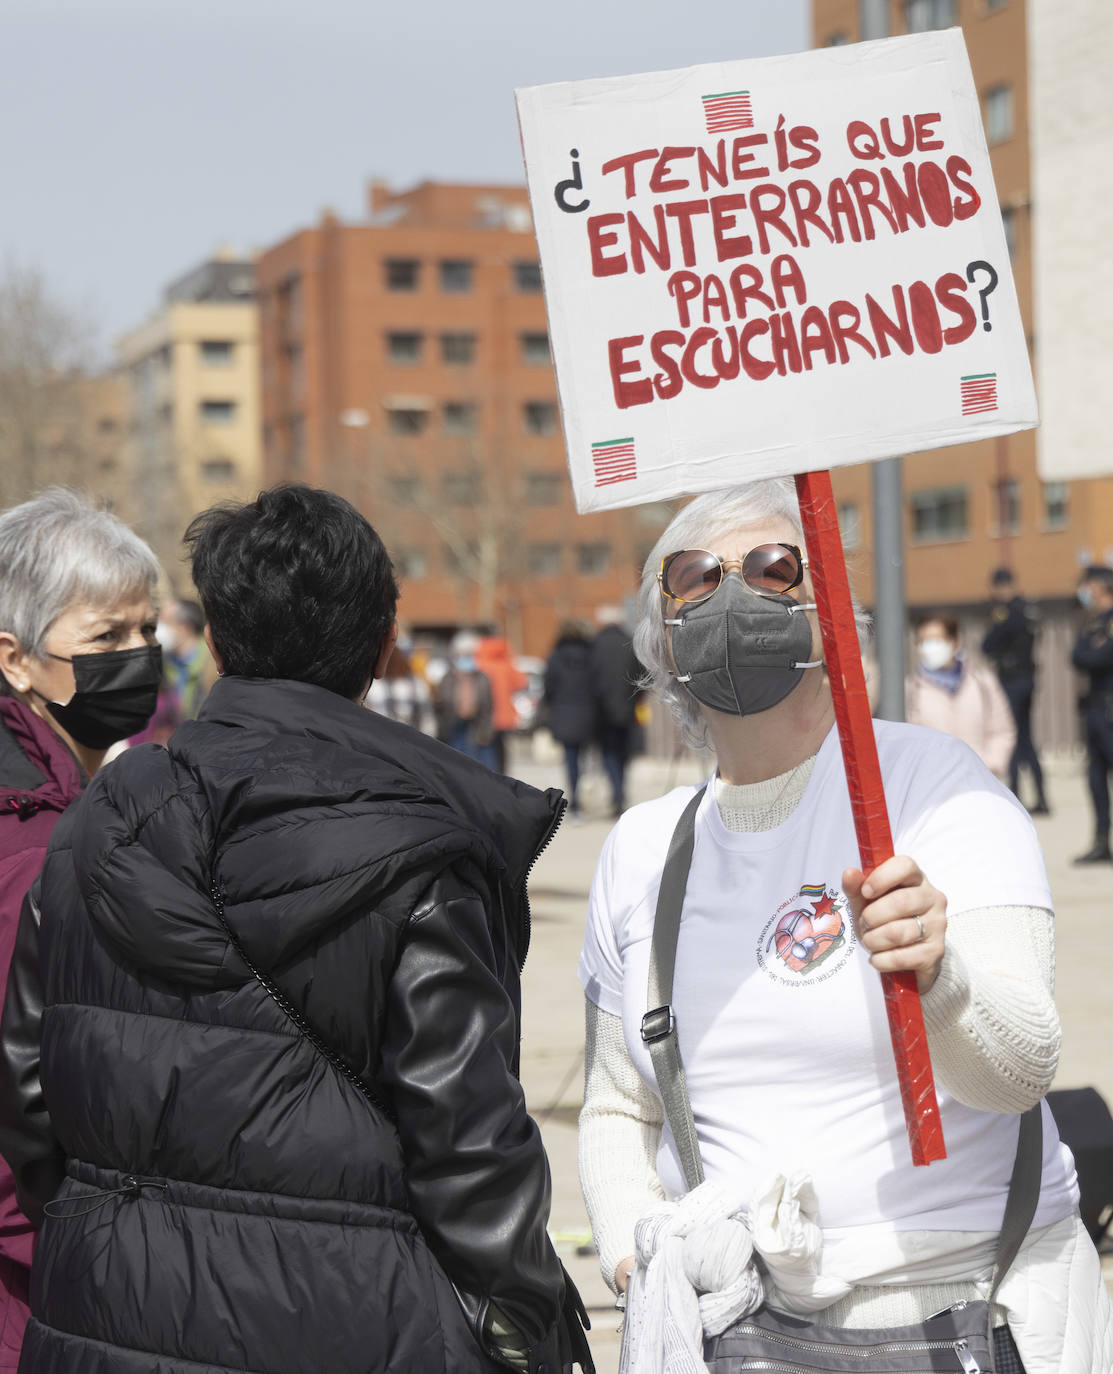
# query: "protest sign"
{"type": "Point", "coordinates": [769, 267]}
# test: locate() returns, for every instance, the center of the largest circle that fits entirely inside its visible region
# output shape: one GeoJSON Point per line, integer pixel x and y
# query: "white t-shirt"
{"type": "Point", "coordinates": [781, 1018]}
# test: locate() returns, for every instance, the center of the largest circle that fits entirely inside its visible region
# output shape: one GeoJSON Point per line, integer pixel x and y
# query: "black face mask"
{"type": "Point", "coordinates": [116, 695]}
{"type": "Point", "coordinates": [741, 653]}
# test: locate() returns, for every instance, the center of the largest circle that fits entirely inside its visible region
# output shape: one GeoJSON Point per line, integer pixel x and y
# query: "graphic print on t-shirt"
{"type": "Point", "coordinates": [808, 938]}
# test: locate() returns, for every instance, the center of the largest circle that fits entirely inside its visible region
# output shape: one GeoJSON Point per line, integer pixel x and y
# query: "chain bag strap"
{"type": "Point", "coordinates": [301, 1025]}
{"type": "Point", "coordinates": [959, 1339]}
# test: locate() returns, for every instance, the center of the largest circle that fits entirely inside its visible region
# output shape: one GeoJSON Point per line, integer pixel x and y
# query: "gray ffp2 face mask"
{"type": "Point", "coordinates": [741, 653]}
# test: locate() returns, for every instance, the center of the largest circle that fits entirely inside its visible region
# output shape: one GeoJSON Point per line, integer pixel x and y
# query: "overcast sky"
{"type": "Point", "coordinates": [138, 135]}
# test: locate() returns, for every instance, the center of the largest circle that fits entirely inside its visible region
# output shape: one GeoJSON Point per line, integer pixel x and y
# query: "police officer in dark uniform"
{"type": "Point", "coordinates": [1009, 645]}
{"type": "Point", "coordinates": [1093, 654]}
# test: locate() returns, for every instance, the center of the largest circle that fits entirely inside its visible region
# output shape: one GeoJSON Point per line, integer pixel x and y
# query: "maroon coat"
{"type": "Point", "coordinates": [39, 777]}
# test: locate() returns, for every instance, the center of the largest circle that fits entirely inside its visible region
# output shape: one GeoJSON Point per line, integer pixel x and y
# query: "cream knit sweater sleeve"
{"type": "Point", "coordinates": [620, 1126]}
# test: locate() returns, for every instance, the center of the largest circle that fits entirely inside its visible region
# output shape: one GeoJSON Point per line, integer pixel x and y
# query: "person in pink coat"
{"type": "Point", "coordinates": [947, 694]}
{"type": "Point", "coordinates": [79, 670]}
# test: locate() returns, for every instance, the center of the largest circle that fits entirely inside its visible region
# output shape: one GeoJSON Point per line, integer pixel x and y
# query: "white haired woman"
{"type": "Point", "coordinates": [79, 670]}
{"type": "Point", "coordinates": [779, 1009]}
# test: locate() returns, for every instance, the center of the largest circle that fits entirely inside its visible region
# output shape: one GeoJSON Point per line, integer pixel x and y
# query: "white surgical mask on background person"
{"type": "Point", "coordinates": [1086, 596]}
{"type": "Point", "coordinates": [936, 653]}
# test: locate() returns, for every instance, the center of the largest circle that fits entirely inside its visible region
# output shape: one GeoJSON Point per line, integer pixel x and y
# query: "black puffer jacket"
{"type": "Point", "coordinates": [570, 692]}
{"type": "Point", "coordinates": [271, 1219]}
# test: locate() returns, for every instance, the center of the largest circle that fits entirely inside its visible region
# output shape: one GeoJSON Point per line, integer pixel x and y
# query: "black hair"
{"type": "Point", "coordinates": [189, 613]}
{"type": "Point", "coordinates": [1002, 577]}
{"type": "Point", "coordinates": [295, 585]}
{"type": "Point", "coordinates": [1098, 572]}
{"type": "Point", "coordinates": [949, 623]}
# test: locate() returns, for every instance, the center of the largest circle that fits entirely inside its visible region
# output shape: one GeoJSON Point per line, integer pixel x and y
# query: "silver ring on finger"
{"type": "Point", "coordinates": [923, 932]}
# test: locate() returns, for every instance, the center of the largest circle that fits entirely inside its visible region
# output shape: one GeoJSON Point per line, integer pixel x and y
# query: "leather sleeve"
{"type": "Point", "coordinates": [26, 1139]}
{"type": "Point", "coordinates": [476, 1169]}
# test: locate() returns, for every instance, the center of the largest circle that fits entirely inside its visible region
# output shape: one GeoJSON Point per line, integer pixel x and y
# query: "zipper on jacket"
{"type": "Point", "coordinates": [554, 826]}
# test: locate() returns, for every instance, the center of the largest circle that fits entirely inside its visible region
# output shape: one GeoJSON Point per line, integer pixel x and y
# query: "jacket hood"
{"type": "Point", "coordinates": [493, 650]}
{"type": "Point", "coordinates": [35, 761]}
{"type": "Point", "coordinates": [303, 810]}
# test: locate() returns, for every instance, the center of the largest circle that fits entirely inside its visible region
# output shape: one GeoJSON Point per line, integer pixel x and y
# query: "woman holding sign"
{"type": "Point", "coordinates": [768, 1175]}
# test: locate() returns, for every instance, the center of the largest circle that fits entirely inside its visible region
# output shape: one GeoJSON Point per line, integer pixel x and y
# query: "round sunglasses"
{"type": "Point", "coordinates": [695, 574]}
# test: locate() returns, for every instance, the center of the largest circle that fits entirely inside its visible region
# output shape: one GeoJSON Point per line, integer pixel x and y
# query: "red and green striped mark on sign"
{"type": "Point", "coordinates": [727, 110]}
{"type": "Point", "coordinates": [613, 461]}
{"type": "Point", "coordinates": [979, 392]}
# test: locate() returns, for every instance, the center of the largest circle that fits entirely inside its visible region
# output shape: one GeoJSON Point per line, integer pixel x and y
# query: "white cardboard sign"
{"type": "Point", "coordinates": [773, 266]}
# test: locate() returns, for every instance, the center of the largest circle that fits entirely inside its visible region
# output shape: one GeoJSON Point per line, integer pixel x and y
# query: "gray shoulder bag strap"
{"type": "Point", "coordinates": [660, 1037]}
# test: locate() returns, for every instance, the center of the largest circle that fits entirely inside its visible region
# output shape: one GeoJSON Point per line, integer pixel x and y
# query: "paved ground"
{"type": "Point", "coordinates": [552, 1049]}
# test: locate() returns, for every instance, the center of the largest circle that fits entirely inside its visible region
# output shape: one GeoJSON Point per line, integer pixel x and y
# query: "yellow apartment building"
{"type": "Point", "coordinates": [192, 378]}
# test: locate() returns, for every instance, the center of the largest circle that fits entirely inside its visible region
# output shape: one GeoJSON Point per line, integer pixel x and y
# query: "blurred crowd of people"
{"type": "Point", "coordinates": [479, 695]}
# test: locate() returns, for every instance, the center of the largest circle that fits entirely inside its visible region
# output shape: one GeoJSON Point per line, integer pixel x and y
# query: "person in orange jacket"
{"type": "Point", "coordinates": [493, 658]}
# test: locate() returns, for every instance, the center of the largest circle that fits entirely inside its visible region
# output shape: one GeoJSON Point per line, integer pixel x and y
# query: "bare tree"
{"type": "Point", "coordinates": [461, 497]}
{"type": "Point", "coordinates": [43, 348]}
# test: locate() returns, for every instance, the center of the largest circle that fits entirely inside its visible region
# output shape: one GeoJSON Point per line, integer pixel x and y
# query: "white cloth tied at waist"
{"type": "Point", "coordinates": [694, 1273]}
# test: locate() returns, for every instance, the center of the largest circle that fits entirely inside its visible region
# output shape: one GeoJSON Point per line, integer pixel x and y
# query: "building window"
{"type": "Point", "coordinates": [297, 443]}
{"type": "Point", "coordinates": [540, 417]}
{"type": "Point", "coordinates": [217, 352]}
{"type": "Point", "coordinates": [1006, 506]}
{"type": "Point", "coordinates": [544, 560]}
{"type": "Point", "coordinates": [460, 488]}
{"type": "Point", "coordinates": [998, 114]}
{"type": "Point", "coordinates": [402, 274]}
{"type": "Point", "coordinates": [535, 349]}
{"type": "Point", "coordinates": [411, 563]}
{"type": "Point", "coordinates": [403, 421]}
{"type": "Point", "coordinates": [295, 366]}
{"type": "Point", "coordinates": [290, 307]}
{"type": "Point", "coordinates": [592, 560]}
{"type": "Point", "coordinates": [460, 417]}
{"type": "Point", "coordinates": [921, 15]}
{"type": "Point", "coordinates": [527, 276]}
{"type": "Point", "coordinates": [458, 349]}
{"type": "Point", "coordinates": [837, 40]}
{"type": "Point", "coordinates": [456, 274]}
{"type": "Point", "coordinates": [1056, 505]}
{"type": "Point", "coordinates": [544, 488]}
{"type": "Point", "coordinates": [218, 412]}
{"type": "Point", "coordinates": [404, 491]}
{"type": "Point", "coordinates": [218, 470]}
{"type": "Point", "coordinates": [939, 513]}
{"type": "Point", "coordinates": [850, 524]}
{"type": "Point", "coordinates": [1008, 220]}
{"type": "Point", "coordinates": [403, 348]}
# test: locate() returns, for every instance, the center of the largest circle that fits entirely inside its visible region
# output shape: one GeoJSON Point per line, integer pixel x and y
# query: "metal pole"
{"type": "Point", "coordinates": [890, 613]}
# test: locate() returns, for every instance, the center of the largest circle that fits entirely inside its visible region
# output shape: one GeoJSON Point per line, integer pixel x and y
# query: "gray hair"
{"type": "Point", "coordinates": [57, 549]}
{"type": "Point", "coordinates": [702, 522]}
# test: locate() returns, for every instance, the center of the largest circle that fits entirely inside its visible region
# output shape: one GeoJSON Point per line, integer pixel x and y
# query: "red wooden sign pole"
{"type": "Point", "coordinates": [867, 796]}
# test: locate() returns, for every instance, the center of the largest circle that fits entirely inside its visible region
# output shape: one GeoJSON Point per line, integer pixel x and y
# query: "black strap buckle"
{"type": "Point", "coordinates": [658, 1025]}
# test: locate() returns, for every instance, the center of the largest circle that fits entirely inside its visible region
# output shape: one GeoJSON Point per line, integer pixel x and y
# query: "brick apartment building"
{"type": "Point", "coordinates": [973, 507]}
{"type": "Point", "coordinates": [405, 364]}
